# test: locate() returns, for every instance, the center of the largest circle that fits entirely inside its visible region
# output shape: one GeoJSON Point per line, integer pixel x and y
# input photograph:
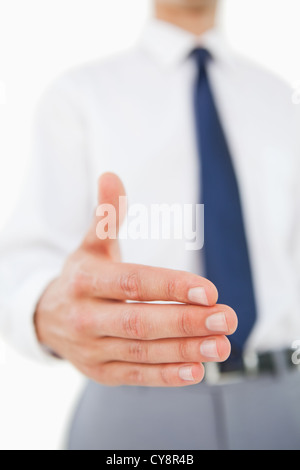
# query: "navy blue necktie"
{"type": "Point", "coordinates": [225, 247]}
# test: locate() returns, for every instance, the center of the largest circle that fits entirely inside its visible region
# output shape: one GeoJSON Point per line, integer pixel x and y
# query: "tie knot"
{"type": "Point", "coordinates": [202, 56]}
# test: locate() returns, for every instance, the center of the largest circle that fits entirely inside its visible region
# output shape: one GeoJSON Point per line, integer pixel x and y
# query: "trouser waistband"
{"type": "Point", "coordinates": [253, 364]}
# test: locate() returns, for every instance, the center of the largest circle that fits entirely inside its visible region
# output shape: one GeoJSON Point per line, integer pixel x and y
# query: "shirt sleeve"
{"type": "Point", "coordinates": [51, 217]}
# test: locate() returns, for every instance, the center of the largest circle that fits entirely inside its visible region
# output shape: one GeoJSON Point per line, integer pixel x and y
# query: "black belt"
{"type": "Point", "coordinates": [252, 364]}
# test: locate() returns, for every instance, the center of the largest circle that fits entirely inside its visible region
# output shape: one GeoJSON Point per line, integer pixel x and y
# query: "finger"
{"type": "Point", "coordinates": [120, 281]}
{"type": "Point", "coordinates": [210, 349]}
{"type": "Point", "coordinates": [156, 321]}
{"type": "Point", "coordinates": [173, 375]}
{"type": "Point", "coordinates": [102, 235]}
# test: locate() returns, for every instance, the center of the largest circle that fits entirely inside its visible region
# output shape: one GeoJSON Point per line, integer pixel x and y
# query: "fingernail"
{"type": "Point", "coordinates": [198, 295]}
{"type": "Point", "coordinates": [186, 374]}
{"type": "Point", "coordinates": [209, 349]}
{"type": "Point", "coordinates": [217, 322]}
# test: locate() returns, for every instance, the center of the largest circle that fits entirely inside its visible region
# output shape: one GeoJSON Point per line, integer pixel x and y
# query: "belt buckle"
{"type": "Point", "coordinates": [251, 363]}
{"type": "Point", "coordinates": [252, 367]}
{"type": "Point", "coordinates": [214, 376]}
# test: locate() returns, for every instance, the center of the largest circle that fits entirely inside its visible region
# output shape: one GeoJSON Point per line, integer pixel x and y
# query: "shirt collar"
{"type": "Point", "coordinates": [170, 45]}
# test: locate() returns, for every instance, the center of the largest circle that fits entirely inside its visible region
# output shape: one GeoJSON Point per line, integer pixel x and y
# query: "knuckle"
{"type": "Point", "coordinates": [133, 325]}
{"type": "Point", "coordinates": [184, 351]}
{"type": "Point", "coordinates": [76, 284]}
{"type": "Point", "coordinates": [174, 287]}
{"type": "Point", "coordinates": [134, 376]}
{"type": "Point", "coordinates": [87, 357]}
{"type": "Point", "coordinates": [186, 323]}
{"type": "Point", "coordinates": [165, 376]}
{"type": "Point", "coordinates": [102, 376]}
{"type": "Point", "coordinates": [81, 320]}
{"type": "Point", "coordinates": [90, 372]}
{"type": "Point", "coordinates": [130, 285]}
{"type": "Point", "coordinates": [171, 288]}
{"type": "Point", "coordinates": [139, 352]}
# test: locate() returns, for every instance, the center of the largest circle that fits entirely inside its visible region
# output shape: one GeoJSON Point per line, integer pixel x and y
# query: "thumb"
{"type": "Point", "coordinates": [109, 215]}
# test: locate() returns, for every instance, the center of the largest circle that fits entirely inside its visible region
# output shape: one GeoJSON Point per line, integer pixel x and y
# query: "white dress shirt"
{"type": "Point", "coordinates": [133, 115]}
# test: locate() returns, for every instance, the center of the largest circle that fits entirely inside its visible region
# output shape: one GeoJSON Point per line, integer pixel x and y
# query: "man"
{"type": "Point", "coordinates": [179, 119]}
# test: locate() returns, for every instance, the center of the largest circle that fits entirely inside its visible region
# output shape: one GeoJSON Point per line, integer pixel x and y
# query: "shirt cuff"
{"type": "Point", "coordinates": [23, 334]}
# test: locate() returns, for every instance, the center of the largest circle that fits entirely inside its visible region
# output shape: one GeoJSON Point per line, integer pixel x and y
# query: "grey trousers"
{"type": "Point", "coordinates": [261, 413]}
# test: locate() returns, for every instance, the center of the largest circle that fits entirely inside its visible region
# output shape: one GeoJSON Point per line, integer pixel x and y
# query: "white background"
{"type": "Point", "coordinates": [39, 40]}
